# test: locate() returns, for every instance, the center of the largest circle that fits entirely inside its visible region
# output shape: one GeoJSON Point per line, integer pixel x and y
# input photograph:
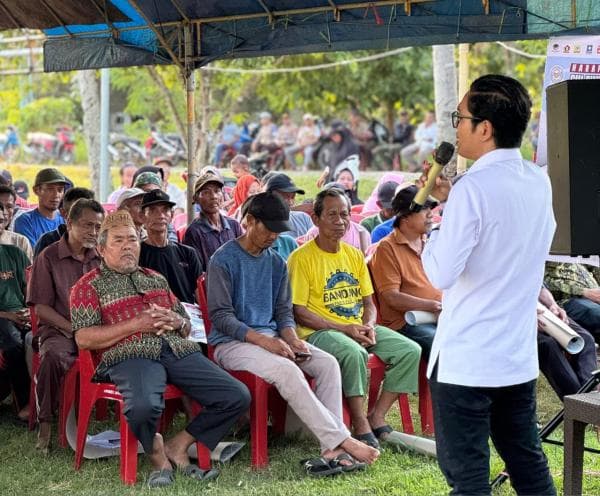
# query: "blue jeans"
{"type": "Point", "coordinates": [586, 313]}
{"type": "Point", "coordinates": [465, 417]}
{"type": "Point", "coordinates": [421, 334]}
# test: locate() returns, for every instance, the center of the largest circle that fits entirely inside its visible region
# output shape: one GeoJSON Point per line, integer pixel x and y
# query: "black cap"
{"type": "Point", "coordinates": [21, 189]}
{"type": "Point", "coordinates": [283, 182]}
{"type": "Point", "coordinates": [156, 196]}
{"type": "Point", "coordinates": [270, 209]}
{"type": "Point", "coordinates": [403, 199]}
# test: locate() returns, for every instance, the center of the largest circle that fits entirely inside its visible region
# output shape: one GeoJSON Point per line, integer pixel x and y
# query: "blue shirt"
{"type": "Point", "coordinates": [382, 230]}
{"type": "Point", "coordinates": [247, 292]}
{"type": "Point", "coordinates": [284, 245]}
{"type": "Point", "coordinates": [32, 225]}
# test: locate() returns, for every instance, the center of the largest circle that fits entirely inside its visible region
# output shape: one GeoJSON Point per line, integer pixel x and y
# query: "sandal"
{"type": "Point", "coordinates": [161, 478]}
{"type": "Point", "coordinates": [369, 439]}
{"type": "Point", "coordinates": [195, 472]}
{"type": "Point", "coordinates": [384, 429]}
{"type": "Point", "coordinates": [319, 467]}
{"type": "Point", "coordinates": [354, 464]}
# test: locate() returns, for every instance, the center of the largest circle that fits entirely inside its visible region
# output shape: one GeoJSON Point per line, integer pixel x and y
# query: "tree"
{"type": "Point", "coordinates": [90, 102]}
{"type": "Point", "coordinates": [445, 82]}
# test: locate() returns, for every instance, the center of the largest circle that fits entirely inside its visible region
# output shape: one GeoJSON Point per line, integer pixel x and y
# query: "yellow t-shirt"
{"type": "Point", "coordinates": [331, 285]}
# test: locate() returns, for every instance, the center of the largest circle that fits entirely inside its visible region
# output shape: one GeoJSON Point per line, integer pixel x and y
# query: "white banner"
{"type": "Point", "coordinates": [573, 57]}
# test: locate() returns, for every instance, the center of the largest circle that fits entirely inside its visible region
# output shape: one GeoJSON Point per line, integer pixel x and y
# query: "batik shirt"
{"type": "Point", "coordinates": [568, 280]}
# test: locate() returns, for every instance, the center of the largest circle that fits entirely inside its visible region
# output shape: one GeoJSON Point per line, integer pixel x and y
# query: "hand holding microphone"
{"type": "Point", "coordinates": [442, 156]}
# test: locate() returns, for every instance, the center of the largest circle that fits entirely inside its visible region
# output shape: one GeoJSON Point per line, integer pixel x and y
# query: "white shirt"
{"type": "Point", "coordinates": [488, 259]}
{"type": "Point", "coordinates": [427, 134]}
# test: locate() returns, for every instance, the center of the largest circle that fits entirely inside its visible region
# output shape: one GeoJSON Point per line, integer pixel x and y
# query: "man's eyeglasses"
{"type": "Point", "coordinates": [456, 117]}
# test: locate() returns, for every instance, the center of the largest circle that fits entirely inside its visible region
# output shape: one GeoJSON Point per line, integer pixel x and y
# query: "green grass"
{"type": "Point", "coordinates": [25, 472]}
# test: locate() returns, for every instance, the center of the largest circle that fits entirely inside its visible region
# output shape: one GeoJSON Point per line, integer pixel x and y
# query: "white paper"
{"type": "Point", "coordinates": [197, 334]}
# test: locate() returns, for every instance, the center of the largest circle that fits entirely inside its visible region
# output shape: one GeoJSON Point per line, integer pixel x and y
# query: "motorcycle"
{"type": "Point", "coordinates": [123, 148]}
{"type": "Point", "coordinates": [44, 147]}
{"type": "Point", "coordinates": [165, 145]}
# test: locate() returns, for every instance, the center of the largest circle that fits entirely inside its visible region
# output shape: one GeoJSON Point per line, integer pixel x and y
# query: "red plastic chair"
{"type": "Point", "coordinates": [181, 233]}
{"type": "Point", "coordinates": [179, 221]}
{"type": "Point", "coordinates": [264, 396]}
{"type": "Point", "coordinates": [90, 392]}
{"type": "Point", "coordinates": [357, 209]}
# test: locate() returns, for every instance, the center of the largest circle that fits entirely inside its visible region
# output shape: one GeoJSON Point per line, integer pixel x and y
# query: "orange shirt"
{"type": "Point", "coordinates": [395, 265]}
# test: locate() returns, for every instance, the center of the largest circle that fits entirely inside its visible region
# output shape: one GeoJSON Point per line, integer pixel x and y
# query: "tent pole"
{"type": "Point", "coordinates": [105, 180]}
{"type": "Point", "coordinates": [463, 86]}
{"type": "Point", "coordinates": [190, 86]}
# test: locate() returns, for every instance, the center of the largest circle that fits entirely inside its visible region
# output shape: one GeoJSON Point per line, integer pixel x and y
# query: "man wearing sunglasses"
{"type": "Point", "coordinates": [488, 259]}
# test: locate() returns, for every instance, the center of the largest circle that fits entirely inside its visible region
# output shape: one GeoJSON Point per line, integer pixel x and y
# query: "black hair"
{"type": "Point", "coordinates": [504, 102]}
{"type": "Point", "coordinates": [328, 193]}
{"type": "Point", "coordinates": [4, 189]}
{"type": "Point", "coordinates": [76, 210]}
{"type": "Point", "coordinates": [74, 194]}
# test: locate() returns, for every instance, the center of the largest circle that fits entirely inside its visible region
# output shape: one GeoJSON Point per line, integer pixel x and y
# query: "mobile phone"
{"type": "Point", "coordinates": [302, 355]}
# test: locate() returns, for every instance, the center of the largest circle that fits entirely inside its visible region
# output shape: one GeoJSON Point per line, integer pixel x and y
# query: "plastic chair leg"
{"type": "Point", "coordinates": [425, 405]}
{"type": "Point", "coordinates": [129, 446]}
{"type": "Point", "coordinates": [258, 426]}
{"type": "Point", "coordinates": [102, 410]}
{"type": "Point", "coordinates": [404, 406]}
{"type": "Point", "coordinates": [86, 403]}
{"type": "Point", "coordinates": [69, 392]}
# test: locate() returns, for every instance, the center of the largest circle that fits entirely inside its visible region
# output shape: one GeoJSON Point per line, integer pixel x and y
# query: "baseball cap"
{"type": "Point", "coordinates": [283, 182]}
{"type": "Point", "coordinates": [6, 175]}
{"type": "Point", "coordinates": [128, 194]}
{"type": "Point", "coordinates": [49, 176]}
{"type": "Point", "coordinates": [403, 199]}
{"type": "Point", "coordinates": [204, 179]}
{"type": "Point", "coordinates": [156, 196]}
{"type": "Point", "coordinates": [21, 189]}
{"type": "Point", "coordinates": [386, 193]}
{"type": "Point", "coordinates": [147, 178]}
{"type": "Point", "coordinates": [270, 209]}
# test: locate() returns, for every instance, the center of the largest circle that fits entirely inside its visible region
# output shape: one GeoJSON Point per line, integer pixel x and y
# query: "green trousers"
{"type": "Point", "coordinates": [400, 354]}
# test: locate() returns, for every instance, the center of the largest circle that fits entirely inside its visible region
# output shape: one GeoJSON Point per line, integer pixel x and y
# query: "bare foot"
{"type": "Point", "coordinates": [158, 457]}
{"type": "Point", "coordinates": [331, 454]}
{"type": "Point", "coordinates": [359, 450]}
{"type": "Point", "coordinates": [44, 436]}
{"type": "Point", "coordinates": [176, 449]}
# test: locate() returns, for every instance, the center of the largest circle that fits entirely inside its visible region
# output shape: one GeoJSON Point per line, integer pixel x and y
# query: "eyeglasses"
{"type": "Point", "coordinates": [456, 117]}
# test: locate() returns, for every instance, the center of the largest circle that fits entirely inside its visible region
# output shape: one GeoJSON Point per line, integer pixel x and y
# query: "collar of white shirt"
{"type": "Point", "coordinates": [495, 156]}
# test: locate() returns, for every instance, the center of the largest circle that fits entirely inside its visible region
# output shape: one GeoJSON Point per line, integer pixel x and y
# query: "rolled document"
{"type": "Point", "coordinates": [417, 317]}
{"type": "Point", "coordinates": [417, 444]}
{"type": "Point", "coordinates": [553, 326]}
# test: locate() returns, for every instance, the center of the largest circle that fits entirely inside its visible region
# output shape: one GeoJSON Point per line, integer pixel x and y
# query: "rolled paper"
{"type": "Point", "coordinates": [553, 326]}
{"type": "Point", "coordinates": [417, 444]}
{"type": "Point", "coordinates": [417, 317]}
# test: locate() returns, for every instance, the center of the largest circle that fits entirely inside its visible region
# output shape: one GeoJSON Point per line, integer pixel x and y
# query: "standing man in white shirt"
{"type": "Point", "coordinates": [488, 259]}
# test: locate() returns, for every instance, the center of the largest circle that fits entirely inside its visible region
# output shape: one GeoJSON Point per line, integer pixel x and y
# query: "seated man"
{"type": "Point", "coordinates": [179, 264]}
{"type": "Point", "coordinates": [49, 186]}
{"type": "Point", "coordinates": [331, 293]}
{"type": "Point", "coordinates": [398, 276]}
{"type": "Point", "coordinates": [212, 229]}
{"type": "Point", "coordinates": [385, 195]}
{"type": "Point", "coordinates": [565, 374]}
{"type": "Point", "coordinates": [131, 201]}
{"type": "Point", "coordinates": [70, 197]}
{"type": "Point", "coordinates": [283, 186]}
{"type": "Point", "coordinates": [8, 198]}
{"type": "Point", "coordinates": [577, 291]}
{"type": "Point", "coordinates": [250, 306]}
{"type": "Point", "coordinates": [54, 272]}
{"type": "Point", "coordinates": [14, 321]}
{"type": "Point", "coordinates": [138, 329]}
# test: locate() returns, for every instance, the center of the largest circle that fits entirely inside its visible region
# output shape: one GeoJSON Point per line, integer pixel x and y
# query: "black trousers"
{"type": "Point", "coordinates": [465, 418]}
{"type": "Point", "coordinates": [567, 373]}
{"type": "Point", "coordinates": [142, 383]}
{"type": "Point", "coordinates": [14, 369]}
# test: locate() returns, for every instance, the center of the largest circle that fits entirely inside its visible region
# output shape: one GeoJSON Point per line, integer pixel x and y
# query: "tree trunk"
{"type": "Point", "coordinates": [90, 103]}
{"type": "Point", "coordinates": [167, 95]}
{"type": "Point", "coordinates": [389, 120]}
{"type": "Point", "coordinates": [201, 157]}
{"type": "Point", "coordinates": [445, 85]}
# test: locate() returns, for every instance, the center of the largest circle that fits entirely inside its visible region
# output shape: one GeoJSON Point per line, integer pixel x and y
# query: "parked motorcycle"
{"type": "Point", "coordinates": [123, 148]}
{"type": "Point", "coordinates": [44, 147]}
{"type": "Point", "coordinates": [165, 145]}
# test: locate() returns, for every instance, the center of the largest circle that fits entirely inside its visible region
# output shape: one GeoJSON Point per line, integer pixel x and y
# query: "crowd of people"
{"type": "Point", "coordinates": [308, 288]}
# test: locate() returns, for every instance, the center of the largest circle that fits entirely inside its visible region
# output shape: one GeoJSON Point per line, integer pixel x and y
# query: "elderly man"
{"type": "Point", "coordinates": [14, 321]}
{"type": "Point", "coordinates": [131, 201]}
{"type": "Point", "coordinates": [211, 229]}
{"type": "Point", "coordinates": [54, 272]}
{"type": "Point", "coordinates": [49, 186]}
{"type": "Point", "coordinates": [331, 293]}
{"type": "Point", "coordinates": [178, 263]}
{"type": "Point", "coordinates": [283, 186]}
{"type": "Point", "coordinates": [70, 197]}
{"type": "Point", "coordinates": [398, 275]}
{"type": "Point", "coordinates": [7, 201]}
{"type": "Point", "coordinates": [250, 305]}
{"type": "Point", "coordinates": [138, 329]}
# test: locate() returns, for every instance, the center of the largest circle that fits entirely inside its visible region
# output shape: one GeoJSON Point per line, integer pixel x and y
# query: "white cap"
{"type": "Point", "coordinates": [128, 194]}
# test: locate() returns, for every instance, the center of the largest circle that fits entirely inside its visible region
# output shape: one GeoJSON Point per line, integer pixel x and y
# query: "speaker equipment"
{"type": "Point", "coordinates": [573, 112]}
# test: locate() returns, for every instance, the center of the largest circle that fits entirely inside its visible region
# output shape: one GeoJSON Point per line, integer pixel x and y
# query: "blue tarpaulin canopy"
{"type": "Point", "coordinates": [87, 34]}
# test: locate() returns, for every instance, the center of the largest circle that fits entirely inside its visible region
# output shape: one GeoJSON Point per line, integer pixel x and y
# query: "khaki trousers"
{"type": "Point", "coordinates": [320, 410]}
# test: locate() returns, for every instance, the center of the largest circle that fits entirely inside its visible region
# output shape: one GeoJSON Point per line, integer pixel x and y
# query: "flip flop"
{"type": "Point", "coordinates": [319, 467]}
{"type": "Point", "coordinates": [369, 439]}
{"type": "Point", "coordinates": [384, 429]}
{"type": "Point", "coordinates": [195, 472]}
{"type": "Point", "coordinates": [353, 467]}
{"type": "Point", "coordinates": [161, 478]}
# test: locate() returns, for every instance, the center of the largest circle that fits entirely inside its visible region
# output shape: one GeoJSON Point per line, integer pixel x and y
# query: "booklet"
{"type": "Point", "coordinates": [198, 333]}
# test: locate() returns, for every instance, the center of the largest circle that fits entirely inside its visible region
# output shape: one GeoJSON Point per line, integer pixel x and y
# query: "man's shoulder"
{"type": "Point", "coordinates": [87, 278]}
{"type": "Point", "coordinates": [224, 252]}
{"type": "Point", "coordinates": [14, 252]}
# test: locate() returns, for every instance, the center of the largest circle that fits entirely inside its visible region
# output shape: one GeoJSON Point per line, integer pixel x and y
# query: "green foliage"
{"type": "Point", "coordinates": [44, 114]}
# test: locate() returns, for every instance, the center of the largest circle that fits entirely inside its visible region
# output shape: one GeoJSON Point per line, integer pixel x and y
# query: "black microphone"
{"type": "Point", "coordinates": [441, 157]}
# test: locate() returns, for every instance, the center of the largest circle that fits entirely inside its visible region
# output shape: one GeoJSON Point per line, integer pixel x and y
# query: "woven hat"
{"type": "Point", "coordinates": [120, 218]}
